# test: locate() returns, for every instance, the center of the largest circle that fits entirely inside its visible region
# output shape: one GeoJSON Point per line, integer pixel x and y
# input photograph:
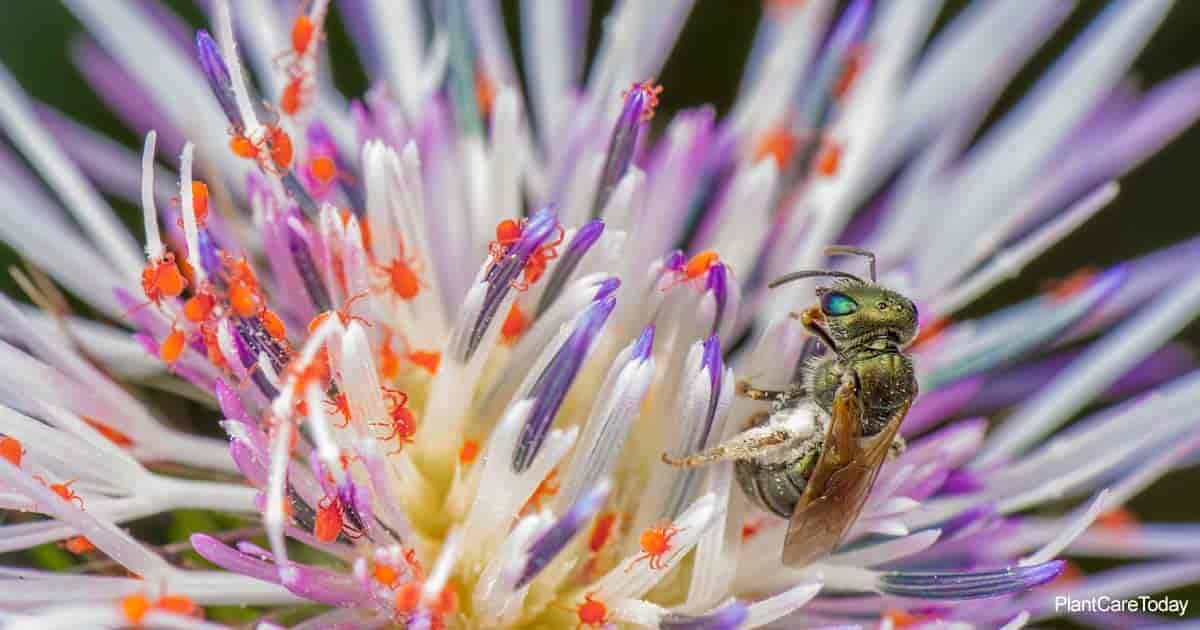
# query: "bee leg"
{"type": "Point", "coordinates": [898, 446]}
{"type": "Point", "coordinates": [745, 445]}
{"type": "Point", "coordinates": [744, 388]}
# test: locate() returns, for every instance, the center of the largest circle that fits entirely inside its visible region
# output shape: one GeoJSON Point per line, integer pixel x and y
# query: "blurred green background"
{"type": "Point", "coordinates": [1157, 205]}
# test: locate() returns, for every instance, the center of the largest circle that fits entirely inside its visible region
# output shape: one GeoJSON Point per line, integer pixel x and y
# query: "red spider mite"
{"type": "Point", "coordinates": [11, 450]}
{"type": "Point", "coordinates": [651, 91]}
{"type": "Point", "coordinates": [172, 346]}
{"type": "Point", "coordinates": [514, 324]}
{"type": "Point", "coordinates": [655, 543]}
{"type": "Point", "coordinates": [591, 612]}
{"type": "Point", "coordinates": [340, 405]}
{"type": "Point", "coordinates": [401, 275]}
{"type": "Point", "coordinates": [331, 521]}
{"type": "Point", "coordinates": [111, 434]}
{"type": "Point", "coordinates": [295, 94]}
{"type": "Point", "coordinates": [389, 368]}
{"type": "Point", "coordinates": [63, 490]}
{"type": "Point", "coordinates": [402, 422]}
{"type": "Point", "coordinates": [343, 315]}
{"type": "Point", "coordinates": [199, 204]}
{"type": "Point", "coordinates": [162, 279]}
{"type": "Point", "coordinates": [200, 306]}
{"type": "Point", "coordinates": [602, 531]}
{"type": "Point", "coordinates": [508, 232]}
{"type": "Point", "coordinates": [208, 334]}
{"type": "Point", "coordinates": [547, 488]}
{"type": "Point", "coordinates": [829, 159]}
{"type": "Point", "coordinates": [695, 267]}
{"type": "Point", "coordinates": [276, 144]}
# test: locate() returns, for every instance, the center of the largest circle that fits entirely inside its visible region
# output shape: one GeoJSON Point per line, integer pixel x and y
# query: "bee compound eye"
{"type": "Point", "coordinates": [835, 303]}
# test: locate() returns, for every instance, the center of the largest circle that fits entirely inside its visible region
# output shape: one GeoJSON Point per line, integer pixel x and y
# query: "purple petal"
{"type": "Point", "coordinates": [623, 144]}
{"type": "Point", "coordinates": [217, 73]}
{"type": "Point", "coordinates": [501, 275]}
{"type": "Point", "coordinates": [728, 617]}
{"type": "Point", "coordinates": [307, 267]}
{"type": "Point", "coordinates": [645, 344]}
{"type": "Point", "coordinates": [994, 583]}
{"type": "Point", "coordinates": [549, 544]}
{"type": "Point", "coordinates": [584, 238]}
{"type": "Point", "coordinates": [552, 385]}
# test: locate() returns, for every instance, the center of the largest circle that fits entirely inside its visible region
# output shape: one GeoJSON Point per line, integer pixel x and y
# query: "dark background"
{"type": "Point", "coordinates": [1157, 205]}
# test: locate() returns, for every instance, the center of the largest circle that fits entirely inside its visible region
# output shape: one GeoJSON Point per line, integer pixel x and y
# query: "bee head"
{"type": "Point", "coordinates": [853, 309]}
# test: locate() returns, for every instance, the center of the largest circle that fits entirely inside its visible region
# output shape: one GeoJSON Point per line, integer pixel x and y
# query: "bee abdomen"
{"type": "Point", "coordinates": [776, 489]}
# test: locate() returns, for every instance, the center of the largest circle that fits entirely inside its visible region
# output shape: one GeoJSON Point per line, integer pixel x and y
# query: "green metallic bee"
{"type": "Point", "coordinates": [814, 456]}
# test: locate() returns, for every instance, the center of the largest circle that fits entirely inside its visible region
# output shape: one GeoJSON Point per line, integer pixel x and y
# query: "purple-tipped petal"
{"type": "Point", "coordinates": [552, 385]}
{"type": "Point", "coordinates": [501, 275]}
{"type": "Point", "coordinates": [307, 268]}
{"type": "Point", "coordinates": [218, 77]}
{"type": "Point", "coordinates": [231, 559]}
{"type": "Point", "coordinates": [645, 344]}
{"type": "Point", "coordinates": [967, 518]}
{"type": "Point", "coordinates": [583, 240]}
{"type": "Point", "coordinates": [623, 144]}
{"type": "Point", "coordinates": [546, 547]}
{"type": "Point", "coordinates": [230, 403]}
{"type": "Point", "coordinates": [962, 481]}
{"type": "Point", "coordinates": [727, 617]}
{"type": "Point", "coordinates": [296, 191]}
{"type": "Point", "coordinates": [977, 585]}
{"type": "Point", "coordinates": [717, 282]}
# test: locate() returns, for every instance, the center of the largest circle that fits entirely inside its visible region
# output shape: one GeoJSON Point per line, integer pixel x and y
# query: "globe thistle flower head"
{"type": "Point", "coordinates": [457, 327]}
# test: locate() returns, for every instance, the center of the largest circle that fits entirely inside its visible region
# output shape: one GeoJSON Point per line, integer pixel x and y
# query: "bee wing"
{"type": "Point", "coordinates": [840, 483]}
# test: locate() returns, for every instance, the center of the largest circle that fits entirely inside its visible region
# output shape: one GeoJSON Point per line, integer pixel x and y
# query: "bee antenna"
{"type": "Point", "coordinates": [812, 273]}
{"type": "Point", "coordinates": [833, 250]}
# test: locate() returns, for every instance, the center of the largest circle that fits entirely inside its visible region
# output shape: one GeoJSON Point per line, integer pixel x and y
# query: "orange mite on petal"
{"type": "Point", "coordinates": [408, 596]}
{"type": "Point", "coordinates": [172, 346]}
{"type": "Point", "coordinates": [328, 523]}
{"type": "Point", "coordinates": [426, 359]}
{"type": "Point", "coordinates": [243, 147]}
{"type": "Point", "coordinates": [273, 324]}
{"type": "Point", "coordinates": [198, 307]}
{"type": "Point", "coordinates": [302, 34]}
{"type": "Point", "coordinates": [901, 618]}
{"type": "Point", "coordinates": [178, 604]}
{"type": "Point", "coordinates": [11, 450]}
{"type": "Point", "coordinates": [602, 531]}
{"type": "Point", "coordinates": [447, 601]}
{"type": "Point", "coordinates": [79, 545]}
{"type": "Point", "coordinates": [292, 96]}
{"type": "Point", "coordinates": [323, 168]}
{"type": "Point", "coordinates": [200, 202]}
{"type": "Point", "coordinates": [700, 263]}
{"type": "Point", "coordinates": [829, 159]}
{"type": "Point", "coordinates": [135, 607]}
{"type": "Point", "coordinates": [281, 148]}
{"type": "Point", "coordinates": [591, 612]}
{"type": "Point", "coordinates": [242, 299]}
{"type": "Point", "coordinates": [113, 435]}
{"type": "Point", "coordinates": [162, 279]}
{"type": "Point", "coordinates": [777, 143]}
{"type": "Point", "coordinates": [1118, 519]}
{"type": "Point", "coordinates": [655, 543]}
{"type": "Point", "coordinates": [468, 452]}
{"type": "Point", "coordinates": [514, 325]}
{"type": "Point", "coordinates": [384, 574]}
